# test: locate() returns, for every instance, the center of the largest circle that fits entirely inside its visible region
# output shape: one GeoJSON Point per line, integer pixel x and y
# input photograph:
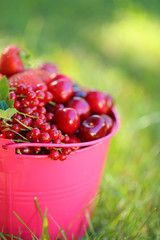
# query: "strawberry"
{"type": "Point", "coordinates": [43, 75]}
{"type": "Point", "coordinates": [10, 61]}
{"type": "Point", "coordinates": [1, 75]}
{"type": "Point", "coordinates": [28, 77]}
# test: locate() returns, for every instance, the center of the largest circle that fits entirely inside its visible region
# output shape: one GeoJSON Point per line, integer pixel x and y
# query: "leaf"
{"type": "Point", "coordinates": [3, 105]}
{"type": "Point", "coordinates": [7, 114]}
{"type": "Point", "coordinates": [4, 92]}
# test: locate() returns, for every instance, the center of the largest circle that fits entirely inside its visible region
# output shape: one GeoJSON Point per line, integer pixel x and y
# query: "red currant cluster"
{"type": "Point", "coordinates": [33, 123]}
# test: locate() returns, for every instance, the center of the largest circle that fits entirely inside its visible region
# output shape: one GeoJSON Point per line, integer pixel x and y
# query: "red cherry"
{"type": "Point", "coordinates": [109, 122]}
{"type": "Point", "coordinates": [93, 128]}
{"type": "Point", "coordinates": [49, 67]}
{"type": "Point", "coordinates": [61, 89]}
{"type": "Point", "coordinates": [67, 120]}
{"type": "Point", "coordinates": [97, 101]}
{"type": "Point", "coordinates": [81, 105]}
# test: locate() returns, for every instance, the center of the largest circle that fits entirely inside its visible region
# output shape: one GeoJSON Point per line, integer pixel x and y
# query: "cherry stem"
{"type": "Point", "coordinates": [23, 124]}
{"type": "Point", "coordinates": [52, 103]}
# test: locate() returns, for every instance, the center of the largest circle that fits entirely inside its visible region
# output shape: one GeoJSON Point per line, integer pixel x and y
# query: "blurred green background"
{"type": "Point", "coordinates": [113, 46]}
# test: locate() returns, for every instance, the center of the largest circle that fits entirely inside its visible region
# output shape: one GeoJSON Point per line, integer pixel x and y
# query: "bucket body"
{"type": "Point", "coordinates": [64, 188]}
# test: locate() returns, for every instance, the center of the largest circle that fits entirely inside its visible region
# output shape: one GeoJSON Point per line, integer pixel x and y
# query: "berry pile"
{"type": "Point", "coordinates": [50, 108]}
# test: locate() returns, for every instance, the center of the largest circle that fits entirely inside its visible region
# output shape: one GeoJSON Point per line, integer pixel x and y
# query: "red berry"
{"type": "Point", "coordinates": [40, 95]}
{"type": "Point", "coordinates": [27, 150]}
{"type": "Point", "coordinates": [31, 95]}
{"type": "Point", "coordinates": [67, 120]}
{"type": "Point", "coordinates": [109, 122]}
{"type": "Point", "coordinates": [41, 86]}
{"type": "Point", "coordinates": [45, 137]}
{"type": "Point", "coordinates": [81, 105]}
{"type": "Point", "coordinates": [37, 150]}
{"type": "Point", "coordinates": [61, 89]}
{"type": "Point", "coordinates": [38, 123]}
{"type": "Point", "coordinates": [45, 127]}
{"type": "Point", "coordinates": [10, 61]}
{"type": "Point", "coordinates": [17, 104]}
{"type": "Point", "coordinates": [15, 117]}
{"type": "Point", "coordinates": [49, 67]}
{"type": "Point", "coordinates": [16, 127]}
{"type": "Point", "coordinates": [9, 134]}
{"type": "Point", "coordinates": [92, 128]}
{"type": "Point", "coordinates": [97, 101]}
{"type": "Point", "coordinates": [13, 95]}
{"type": "Point", "coordinates": [54, 154]}
{"type": "Point", "coordinates": [48, 96]}
{"type": "Point", "coordinates": [42, 110]}
{"type": "Point", "coordinates": [25, 102]}
{"type": "Point", "coordinates": [54, 134]}
{"type": "Point", "coordinates": [35, 133]}
{"type": "Point", "coordinates": [21, 88]}
{"type": "Point", "coordinates": [62, 157]}
{"type": "Point", "coordinates": [49, 116]}
{"type": "Point", "coordinates": [66, 151]}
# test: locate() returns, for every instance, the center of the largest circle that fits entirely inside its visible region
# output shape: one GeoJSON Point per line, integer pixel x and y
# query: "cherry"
{"type": "Point", "coordinates": [49, 116]}
{"type": "Point", "coordinates": [97, 101]}
{"type": "Point", "coordinates": [81, 105]}
{"type": "Point", "coordinates": [48, 96]}
{"type": "Point", "coordinates": [67, 120]}
{"type": "Point", "coordinates": [49, 67]}
{"type": "Point", "coordinates": [61, 89]}
{"type": "Point", "coordinates": [60, 76]}
{"type": "Point", "coordinates": [109, 122]}
{"type": "Point", "coordinates": [92, 128]}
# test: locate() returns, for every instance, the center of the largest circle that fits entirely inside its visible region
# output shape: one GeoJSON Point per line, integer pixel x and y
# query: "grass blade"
{"type": "Point", "coordinates": [25, 225]}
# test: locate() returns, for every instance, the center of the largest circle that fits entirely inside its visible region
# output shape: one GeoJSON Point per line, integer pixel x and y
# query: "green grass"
{"type": "Point", "coordinates": [111, 46]}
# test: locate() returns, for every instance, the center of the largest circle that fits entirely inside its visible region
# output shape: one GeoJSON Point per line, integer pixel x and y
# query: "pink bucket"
{"type": "Point", "coordinates": [64, 188]}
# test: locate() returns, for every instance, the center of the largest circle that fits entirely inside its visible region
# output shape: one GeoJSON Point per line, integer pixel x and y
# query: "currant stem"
{"type": "Point", "coordinates": [23, 124]}
{"type": "Point", "coordinates": [25, 114]}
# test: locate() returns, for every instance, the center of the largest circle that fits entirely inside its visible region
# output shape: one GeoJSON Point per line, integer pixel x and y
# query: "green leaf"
{"type": "Point", "coordinates": [3, 105]}
{"type": "Point", "coordinates": [4, 92]}
{"type": "Point", "coordinates": [8, 114]}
